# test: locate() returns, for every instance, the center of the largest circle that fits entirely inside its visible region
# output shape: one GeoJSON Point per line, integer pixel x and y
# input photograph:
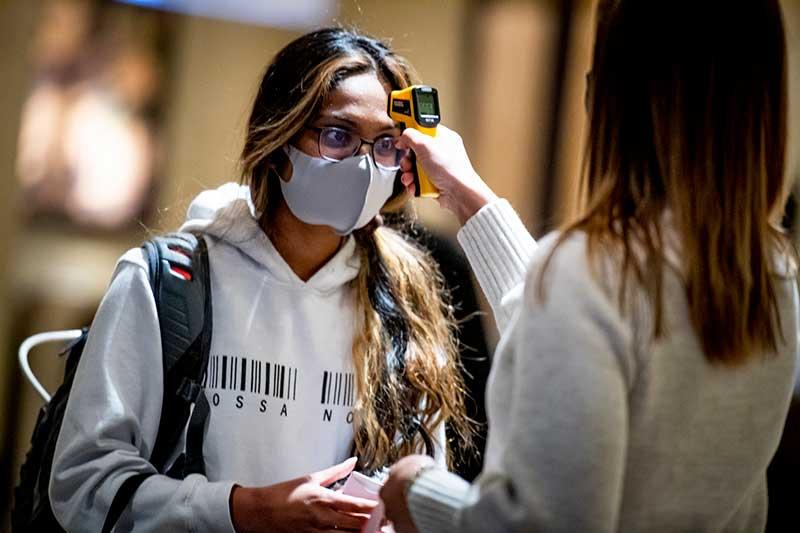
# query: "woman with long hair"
{"type": "Point", "coordinates": [644, 382]}
{"type": "Point", "coordinates": [351, 315]}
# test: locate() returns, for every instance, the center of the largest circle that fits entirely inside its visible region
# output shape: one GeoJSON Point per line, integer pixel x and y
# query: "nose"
{"type": "Point", "coordinates": [365, 149]}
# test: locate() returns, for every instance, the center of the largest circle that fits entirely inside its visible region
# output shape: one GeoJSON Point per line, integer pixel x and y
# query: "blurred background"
{"type": "Point", "coordinates": [116, 114]}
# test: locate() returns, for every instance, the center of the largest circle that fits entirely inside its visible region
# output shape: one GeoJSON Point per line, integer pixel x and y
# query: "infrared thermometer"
{"type": "Point", "coordinates": [417, 107]}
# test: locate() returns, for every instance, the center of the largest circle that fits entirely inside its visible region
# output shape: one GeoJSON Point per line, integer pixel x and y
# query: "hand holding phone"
{"type": "Point", "coordinates": [361, 486]}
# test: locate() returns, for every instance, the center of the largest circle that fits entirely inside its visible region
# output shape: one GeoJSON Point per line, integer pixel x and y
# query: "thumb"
{"type": "Point", "coordinates": [417, 141]}
{"type": "Point", "coordinates": [334, 473]}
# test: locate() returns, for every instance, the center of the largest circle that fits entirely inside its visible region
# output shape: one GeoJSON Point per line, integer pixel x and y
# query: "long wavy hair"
{"type": "Point", "coordinates": [408, 379]}
{"type": "Point", "coordinates": [687, 124]}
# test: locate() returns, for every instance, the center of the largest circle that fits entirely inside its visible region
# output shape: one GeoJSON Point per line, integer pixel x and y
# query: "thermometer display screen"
{"type": "Point", "coordinates": [426, 104]}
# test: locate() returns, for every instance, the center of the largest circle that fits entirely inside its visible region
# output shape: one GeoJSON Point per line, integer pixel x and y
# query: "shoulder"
{"type": "Point", "coordinates": [131, 266]}
{"type": "Point", "coordinates": [134, 258]}
{"type": "Point", "coordinates": [784, 259]}
{"type": "Point", "coordinates": [561, 262]}
{"type": "Point", "coordinates": [131, 278]}
{"type": "Point", "coordinates": [567, 283]}
{"type": "Point", "coordinates": [570, 304]}
{"type": "Point", "coordinates": [135, 261]}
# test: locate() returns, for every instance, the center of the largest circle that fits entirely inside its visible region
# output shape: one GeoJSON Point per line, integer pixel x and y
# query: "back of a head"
{"type": "Point", "coordinates": [687, 116]}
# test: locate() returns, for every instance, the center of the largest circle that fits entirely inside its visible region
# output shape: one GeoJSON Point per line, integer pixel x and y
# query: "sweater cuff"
{"type": "Point", "coordinates": [210, 506]}
{"type": "Point", "coordinates": [499, 248]}
{"type": "Point", "coordinates": [435, 500]}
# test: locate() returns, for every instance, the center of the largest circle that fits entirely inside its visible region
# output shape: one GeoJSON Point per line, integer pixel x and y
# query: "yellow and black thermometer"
{"type": "Point", "coordinates": [417, 107]}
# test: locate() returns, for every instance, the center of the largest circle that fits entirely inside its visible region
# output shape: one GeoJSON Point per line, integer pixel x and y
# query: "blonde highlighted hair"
{"type": "Point", "coordinates": [691, 130]}
{"type": "Point", "coordinates": [408, 378]}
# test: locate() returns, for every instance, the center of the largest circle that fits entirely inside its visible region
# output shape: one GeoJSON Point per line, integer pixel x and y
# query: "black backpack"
{"type": "Point", "coordinates": [179, 278]}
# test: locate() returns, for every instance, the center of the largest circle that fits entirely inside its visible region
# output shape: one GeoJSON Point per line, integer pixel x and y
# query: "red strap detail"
{"type": "Point", "coordinates": [181, 272]}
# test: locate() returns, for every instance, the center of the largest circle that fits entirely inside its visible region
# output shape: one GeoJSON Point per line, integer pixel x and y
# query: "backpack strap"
{"type": "Point", "coordinates": [193, 461]}
{"type": "Point", "coordinates": [181, 284]}
{"type": "Point", "coordinates": [183, 300]}
{"type": "Point", "coordinates": [122, 498]}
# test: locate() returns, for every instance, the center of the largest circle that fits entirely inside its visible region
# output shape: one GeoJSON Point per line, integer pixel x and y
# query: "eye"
{"type": "Point", "coordinates": [385, 146]}
{"type": "Point", "coordinates": [336, 138]}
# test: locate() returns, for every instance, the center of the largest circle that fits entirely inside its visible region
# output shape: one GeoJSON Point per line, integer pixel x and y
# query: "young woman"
{"type": "Point", "coordinates": [305, 280]}
{"type": "Point", "coordinates": [643, 384]}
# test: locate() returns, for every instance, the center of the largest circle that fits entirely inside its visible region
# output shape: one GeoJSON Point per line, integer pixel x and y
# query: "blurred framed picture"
{"type": "Point", "coordinates": [90, 128]}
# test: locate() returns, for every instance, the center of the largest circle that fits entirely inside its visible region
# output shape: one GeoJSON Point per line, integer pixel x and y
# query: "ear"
{"type": "Point", "coordinates": [279, 162]}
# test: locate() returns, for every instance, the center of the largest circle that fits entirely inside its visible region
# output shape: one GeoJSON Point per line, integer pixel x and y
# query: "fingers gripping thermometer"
{"type": "Point", "coordinates": [417, 107]}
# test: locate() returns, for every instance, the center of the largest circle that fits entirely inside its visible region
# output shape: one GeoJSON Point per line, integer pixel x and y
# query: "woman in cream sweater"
{"type": "Point", "coordinates": [643, 381]}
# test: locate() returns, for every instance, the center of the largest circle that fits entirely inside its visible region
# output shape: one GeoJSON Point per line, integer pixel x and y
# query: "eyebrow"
{"type": "Point", "coordinates": [345, 118]}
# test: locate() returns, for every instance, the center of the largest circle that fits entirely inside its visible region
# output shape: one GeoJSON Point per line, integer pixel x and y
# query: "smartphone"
{"type": "Point", "coordinates": [361, 486]}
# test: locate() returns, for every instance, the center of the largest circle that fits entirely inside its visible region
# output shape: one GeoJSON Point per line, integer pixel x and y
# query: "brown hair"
{"type": "Point", "coordinates": [404, 351]}
{"type": "Point", "coordinates": [687, 120]}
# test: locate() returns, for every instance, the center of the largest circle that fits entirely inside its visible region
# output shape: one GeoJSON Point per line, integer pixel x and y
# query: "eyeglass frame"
{"type": "Point", "coordinates": [363, 141]}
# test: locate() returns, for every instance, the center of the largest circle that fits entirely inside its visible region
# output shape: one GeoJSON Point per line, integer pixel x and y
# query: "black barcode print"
{"type": "Point", "coordinates": [228, 372]}
{"type": "Point", "coordinates": [338, 388]}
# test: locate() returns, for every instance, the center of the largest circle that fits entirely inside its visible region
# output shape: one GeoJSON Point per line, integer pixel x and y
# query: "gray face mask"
{"type": "Point", "coordinates": [344, 195]}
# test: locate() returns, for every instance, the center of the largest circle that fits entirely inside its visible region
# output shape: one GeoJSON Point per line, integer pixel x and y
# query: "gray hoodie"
{"type": "Point", "coordinates": [280, 381]}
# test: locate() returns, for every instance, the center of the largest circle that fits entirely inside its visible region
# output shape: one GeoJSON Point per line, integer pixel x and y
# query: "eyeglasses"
{"type": "Point", "coordinates": [336, 144]}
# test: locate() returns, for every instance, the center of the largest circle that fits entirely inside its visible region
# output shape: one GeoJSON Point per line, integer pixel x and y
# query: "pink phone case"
{"type": "Point", "coordinates": [361, 486]}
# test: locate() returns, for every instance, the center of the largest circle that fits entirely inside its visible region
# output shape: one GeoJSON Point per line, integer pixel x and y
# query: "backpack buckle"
{"type": "Point", "coordinates": [189, 390]}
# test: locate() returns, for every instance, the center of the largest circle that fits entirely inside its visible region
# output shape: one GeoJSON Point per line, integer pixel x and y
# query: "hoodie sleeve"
{"type": "Point", "coordinates": [111, 421]}
{"type": "Point", "coordinates": [499, 249]}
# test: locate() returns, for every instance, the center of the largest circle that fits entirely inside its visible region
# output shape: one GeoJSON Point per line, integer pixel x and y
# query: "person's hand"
{"type": "Point", "coordinates": [393, 493]}
{"type": "Point", "coordinates": [445, 161]}
{"type": "Point", "coordinates": [302, 504]}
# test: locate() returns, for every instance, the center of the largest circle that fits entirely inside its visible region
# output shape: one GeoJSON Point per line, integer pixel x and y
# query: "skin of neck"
{"type": "Point", "coordinates": [306, 248]}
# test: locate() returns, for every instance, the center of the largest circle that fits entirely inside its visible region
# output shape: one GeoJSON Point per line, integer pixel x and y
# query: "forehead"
{"type": "Point", "coordinates": [362, 98]}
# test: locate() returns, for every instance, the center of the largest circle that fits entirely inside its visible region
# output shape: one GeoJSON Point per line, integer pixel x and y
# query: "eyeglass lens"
{"type": "Point", "coordinates": [337, 144]}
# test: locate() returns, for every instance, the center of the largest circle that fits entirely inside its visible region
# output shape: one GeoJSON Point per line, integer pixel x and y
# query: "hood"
{"type": "Point", "coordinates": [228, 213]}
